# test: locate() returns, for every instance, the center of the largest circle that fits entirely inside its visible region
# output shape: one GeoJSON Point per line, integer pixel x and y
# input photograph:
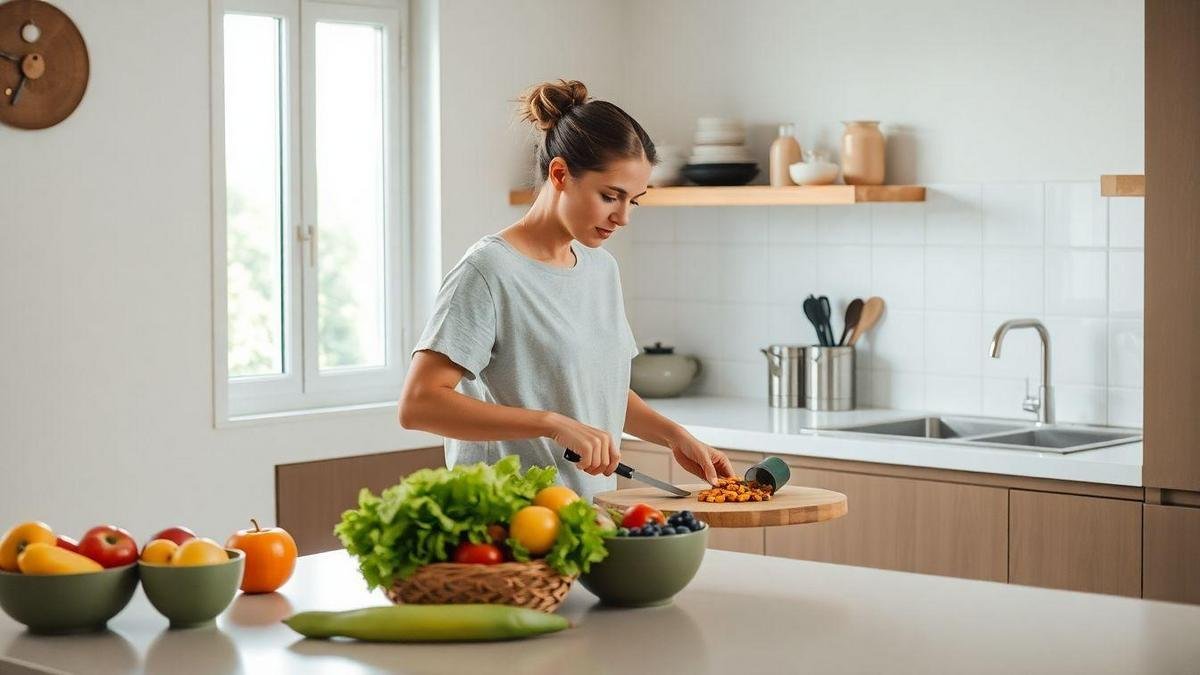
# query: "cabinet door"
{"type": "Point", "coordinates": [1171, 553]}
{"type": "Point", "coordinates": [740, 539]}
{"type": "Point", "coordinates": [903, 524]}
{"type": "Point", "coordinates": [311, 496]}
{"type": "Point", "coordinates": [1075, 543]}
{"type": "Point", "coordinates": [656, 463]}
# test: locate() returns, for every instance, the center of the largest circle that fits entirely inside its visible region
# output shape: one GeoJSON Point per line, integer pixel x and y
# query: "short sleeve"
{"type": "Point", "coordinates": [463, 323]}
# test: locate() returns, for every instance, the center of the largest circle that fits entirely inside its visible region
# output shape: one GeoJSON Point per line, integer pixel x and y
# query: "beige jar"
{"type": "Point", "coordinates": [862, 153]}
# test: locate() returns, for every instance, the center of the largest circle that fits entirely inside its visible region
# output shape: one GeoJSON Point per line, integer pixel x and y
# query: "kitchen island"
{"type": "Point", "coordinates": [741, 614]}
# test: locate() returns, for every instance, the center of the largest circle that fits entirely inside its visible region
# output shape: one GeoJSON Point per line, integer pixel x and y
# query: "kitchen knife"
{"type": "Point", "coordinates": [633, 474]}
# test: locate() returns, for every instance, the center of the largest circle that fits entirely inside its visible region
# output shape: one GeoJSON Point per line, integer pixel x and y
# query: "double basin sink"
{"type": "Point", "coordinates": [1008, 434]}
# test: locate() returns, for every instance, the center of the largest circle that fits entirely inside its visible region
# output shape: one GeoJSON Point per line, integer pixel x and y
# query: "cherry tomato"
{"type": "Point", "coordinates": [640, 514]}
{"type": "Point", "coordinates": [478, 554]}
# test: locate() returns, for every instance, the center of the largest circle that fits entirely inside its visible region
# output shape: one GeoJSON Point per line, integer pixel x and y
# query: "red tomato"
{"type": "Point", "coordinates": [68, 543]}
{"type": "Point", "coordinates": [109, 545]}
{"type": "Point", "coordinates": [478, 554]}
{"type": "Point", "coordinates": [640, 514]}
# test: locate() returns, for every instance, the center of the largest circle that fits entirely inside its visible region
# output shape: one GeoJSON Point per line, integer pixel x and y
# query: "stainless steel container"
{"type": "Point", "coordinates": [785, 378]}
{"type": "Point", "coordinates": [828, 378]}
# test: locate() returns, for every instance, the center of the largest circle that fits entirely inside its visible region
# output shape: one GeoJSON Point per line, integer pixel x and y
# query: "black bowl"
{"type": "Point", "coordinates": [720, 174]}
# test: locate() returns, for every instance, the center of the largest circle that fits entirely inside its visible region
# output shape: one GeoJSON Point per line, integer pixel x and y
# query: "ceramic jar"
{"type": "Point", "coordinates": [658, 372]}
{"type": "Point", "coordinates": [862, 153]}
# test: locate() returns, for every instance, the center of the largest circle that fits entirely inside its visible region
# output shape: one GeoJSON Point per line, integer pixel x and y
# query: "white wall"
{"type": "Point", "coordinates": [1009, 111]}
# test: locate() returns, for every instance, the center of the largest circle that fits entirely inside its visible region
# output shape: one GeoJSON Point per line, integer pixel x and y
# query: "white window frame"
{"type": "Point", "coordinates": [302, 387]}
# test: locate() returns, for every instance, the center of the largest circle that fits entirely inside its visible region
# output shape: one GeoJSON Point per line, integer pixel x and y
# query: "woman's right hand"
{"type": "Point", "coordinates": [595, 447]}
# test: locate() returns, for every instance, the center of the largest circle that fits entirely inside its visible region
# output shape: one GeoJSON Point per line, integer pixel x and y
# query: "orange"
{"type": "Point", "coordinates": [536, 528]}
{"type": "Point", "coordinates": [195, 552]}
{"type": "Point", "coordinates": [18, 538]}
{"type": "Point", "coordinates": [555, 497]}
{"type": "Point", "coordinates": [159, 551]}
{"type": "Point", "coordinates": [270, 557]}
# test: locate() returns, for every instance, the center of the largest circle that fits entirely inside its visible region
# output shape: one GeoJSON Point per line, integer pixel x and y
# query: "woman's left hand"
{"type": "Point", "coordinates": [701, 460]}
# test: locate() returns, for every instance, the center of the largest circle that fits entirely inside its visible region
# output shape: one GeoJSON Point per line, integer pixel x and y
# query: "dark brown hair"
{"type": "Point", "coordinates": [586, 134]}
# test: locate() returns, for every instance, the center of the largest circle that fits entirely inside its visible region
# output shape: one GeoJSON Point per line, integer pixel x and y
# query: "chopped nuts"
{"type": "Point", "coordinates": [735, 490]}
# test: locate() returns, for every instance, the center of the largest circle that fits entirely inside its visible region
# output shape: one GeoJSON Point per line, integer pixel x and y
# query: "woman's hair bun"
{"type": "Point", "coordinates": [544, 104]}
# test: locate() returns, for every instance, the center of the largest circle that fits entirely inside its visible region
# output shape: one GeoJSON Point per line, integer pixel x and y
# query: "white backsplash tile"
{"type": "Point", "coordinates": [1078, 350]}
{"type": "Point", "coordinates": [952, 214]}
{"type": "Point", "coordinates": [1076, 215]}
{"type": "Point", "coordinates": [721, 283]}
{"type": "Point", "coordinates": [1125, 407]}
{"type": "Point", "coordinates": [847, 224]}
{"type": "Point", "coordinates": [1076, 282]}
{"type": "Point", "coordinates": [843, 273]}
{"type": "Point", "coordinates": [1126, 222]}
{"type": "Point", "coordinates": [953, 343]}
{"type": "Point", "coordinates": [953, 395]}
{"type": "Point", "coordinates": [792, 273]}
{"type": "Point", "coordinates": [1081, 405]}
{"type": "Point", "coordinates": [1013, 280]}
{"type": "Point", "coordinates": [953, 278]}
{"type": "Point", "coordinates": [898, 224]}
{"type": "Point", "coordinates": [1013, 214]}
{"type": "Point", "coordinates": [654, 224]}
{"type": "Point", "coordinates": [1125, 350]}
{"type": "Point", "coordinates": [898, 276]}
{"type": "Point", "coordinates": [1126, 283]}
{"type": "Point", "coordinates": [791, 225]}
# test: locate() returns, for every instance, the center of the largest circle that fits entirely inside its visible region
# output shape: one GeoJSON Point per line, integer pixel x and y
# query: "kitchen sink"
{"type": "Point", "coordinates": [1063, 440]}
{"type": "Point", "coordinates": [935, 427]}
{"type": "Point", "coordinates": [1006, 434]}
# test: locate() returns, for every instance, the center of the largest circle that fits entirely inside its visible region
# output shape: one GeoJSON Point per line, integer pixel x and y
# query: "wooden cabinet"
{"type": "Point", "coordinates": [1170, 553]}
{"type": "Point", "coordinates": [649, 459]}
{"type": "Point", "coordinates": [1075, 543]}
{"type": "Point", "coordinates": [903, 524]}
{"type": "Point", "coordinates": [311, 496]}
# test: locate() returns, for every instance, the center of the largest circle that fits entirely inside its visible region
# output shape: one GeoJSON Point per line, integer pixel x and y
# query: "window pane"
{"type": "Point", "coordinates": [253, 194]}
{"type": "Point", "coordinates": [350, 194]}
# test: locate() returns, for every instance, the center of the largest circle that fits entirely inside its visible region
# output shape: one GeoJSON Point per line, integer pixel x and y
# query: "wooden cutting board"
{"type": "Point", "coordinates": [792, 505]}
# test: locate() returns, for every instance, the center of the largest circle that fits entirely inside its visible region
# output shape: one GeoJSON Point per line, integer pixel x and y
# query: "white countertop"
{"type": "Point", "coordinates": [741, 614]}
{"type": "Point", "coordinates": [751, 425]}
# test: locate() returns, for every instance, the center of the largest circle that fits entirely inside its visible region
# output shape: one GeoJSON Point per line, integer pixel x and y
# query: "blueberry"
{"type": "Point", "coordinates": [686, 515]}
{"type": "Point", "coordinates": [695, 526]}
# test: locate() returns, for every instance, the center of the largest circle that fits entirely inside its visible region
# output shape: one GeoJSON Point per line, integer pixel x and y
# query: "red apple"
{"type": "Point", "coordinates": [176, 534]}
{"type": "Point", "coordinates": [68, 543]}
{"type": "Point", "coordinates": [109, 545]}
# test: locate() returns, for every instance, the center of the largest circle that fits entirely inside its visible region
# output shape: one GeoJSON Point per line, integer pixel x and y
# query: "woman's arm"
{"type": "Point", "coordinates": [430, 403]}
{"type": "Point", "coordinates": [697, 458]}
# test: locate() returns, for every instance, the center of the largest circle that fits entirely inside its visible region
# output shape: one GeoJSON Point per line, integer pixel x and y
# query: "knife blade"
{"type": "Point", "coordinates": [633, 474]}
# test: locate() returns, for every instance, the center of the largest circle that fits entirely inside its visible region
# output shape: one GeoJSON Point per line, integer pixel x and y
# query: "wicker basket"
{"type": "Point", "coordinates": [533, 585]}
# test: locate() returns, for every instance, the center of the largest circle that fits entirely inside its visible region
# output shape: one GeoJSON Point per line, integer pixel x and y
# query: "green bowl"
{"type": "Point", "coordinates": [193, 596]}
{"type": "Point", "coordinates": [646, 571]}
{"type": "Point", "coordinates": [67, 603]}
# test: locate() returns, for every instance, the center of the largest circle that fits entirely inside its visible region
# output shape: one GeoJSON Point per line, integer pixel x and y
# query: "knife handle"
{"type": "Point", "coordinates": [622, 469]}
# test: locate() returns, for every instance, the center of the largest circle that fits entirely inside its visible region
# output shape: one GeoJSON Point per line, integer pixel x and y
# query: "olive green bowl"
{"type": "Point", "coordinates": [646, 571]}
{"type": "Point", "coordinates": [67, 603]}
{"type": "Point", "coordinates": [193, 596]}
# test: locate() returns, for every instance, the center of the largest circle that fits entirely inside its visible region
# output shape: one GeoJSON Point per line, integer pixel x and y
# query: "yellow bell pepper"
{"type": "Point", "coordinates": [38, 558]}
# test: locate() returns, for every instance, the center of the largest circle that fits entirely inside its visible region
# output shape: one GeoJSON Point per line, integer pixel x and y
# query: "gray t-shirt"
{"type": "Point", "coordinates": [537, 336]}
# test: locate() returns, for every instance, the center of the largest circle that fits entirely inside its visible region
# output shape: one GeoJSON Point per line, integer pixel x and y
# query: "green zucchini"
{"type": "Point", "coordinates": [428, 623]}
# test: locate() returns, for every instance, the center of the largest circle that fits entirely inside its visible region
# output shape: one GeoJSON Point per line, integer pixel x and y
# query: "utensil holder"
{"type": "Point", "coordinates": [828, 378]}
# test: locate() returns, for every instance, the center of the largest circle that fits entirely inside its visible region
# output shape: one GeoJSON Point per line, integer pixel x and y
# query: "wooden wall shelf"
{"type": "Point", "coordinates": [1115, 185]}
{"type": "Point", "coordinates": [764, 195]}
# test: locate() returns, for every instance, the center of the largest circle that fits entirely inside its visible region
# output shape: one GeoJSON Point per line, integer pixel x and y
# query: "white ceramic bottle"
{"type": "Point", "coordinates": [785, 151]}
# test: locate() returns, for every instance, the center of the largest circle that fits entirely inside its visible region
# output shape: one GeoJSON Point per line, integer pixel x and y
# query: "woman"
{"type": "Point", "coordinates": [531, 322]}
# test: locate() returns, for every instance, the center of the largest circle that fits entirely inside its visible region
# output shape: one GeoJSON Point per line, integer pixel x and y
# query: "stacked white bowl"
{"type": "Point", "coordinates": [720, 140]}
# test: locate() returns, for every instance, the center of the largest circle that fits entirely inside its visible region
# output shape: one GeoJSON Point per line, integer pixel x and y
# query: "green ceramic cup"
{"type": "Point", "coordinates": [67, 603]}
{"type": "Point", "coordinates": [771, 471]}
{"type": "Point", "coordinates": [193, 596]}
{"type": "Point", "coordinates": [646, 571]}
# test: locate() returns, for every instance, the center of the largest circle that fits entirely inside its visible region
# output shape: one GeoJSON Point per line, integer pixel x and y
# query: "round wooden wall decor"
{"type": "Point", "coordinates": [43, 64]}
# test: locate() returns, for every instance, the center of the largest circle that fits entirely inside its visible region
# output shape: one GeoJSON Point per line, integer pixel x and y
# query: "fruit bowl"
{"type": "Point", "coordinates": [737, 173]}
{"type": "Point", "coordinates": [67, 603]}
{"type": "Point", "coordinates": [646, 571]}
{"type": "Point", "coordinates": [195, 595]}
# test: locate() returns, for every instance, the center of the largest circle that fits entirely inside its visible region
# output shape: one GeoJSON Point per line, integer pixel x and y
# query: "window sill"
{"type": "Point", "coordinates": [285, 416]}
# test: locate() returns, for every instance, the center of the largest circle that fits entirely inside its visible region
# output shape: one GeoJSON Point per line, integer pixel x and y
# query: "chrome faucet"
{"type": "Point", "coordinates": [1043, 404]}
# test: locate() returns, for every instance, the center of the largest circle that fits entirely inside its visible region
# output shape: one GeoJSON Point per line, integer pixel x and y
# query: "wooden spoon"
{"type": "Point", "coordinates": [853, 312]}
{"type": "Point", "coordinates": [871, 311]}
